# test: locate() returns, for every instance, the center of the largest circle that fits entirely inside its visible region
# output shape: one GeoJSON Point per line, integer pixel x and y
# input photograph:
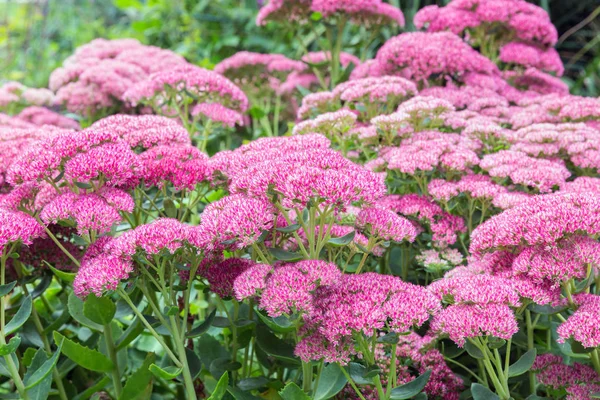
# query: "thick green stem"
{"type": "Point", "coordinates": [112, 353]}
{"type": "Point", "coordinates": [595, 360]}
{"type": "Point", "coordinates": [307, 372]}
{"type": "Point", "coordinates": [10, 365]}
{"type": "Point", "coordinates": [188, 381]}
{"type": "Point", "coordinates": [530, 329]}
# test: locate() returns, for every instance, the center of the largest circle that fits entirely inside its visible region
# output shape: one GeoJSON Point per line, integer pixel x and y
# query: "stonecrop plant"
{"type": "Point", "coordinates": [423, 224]}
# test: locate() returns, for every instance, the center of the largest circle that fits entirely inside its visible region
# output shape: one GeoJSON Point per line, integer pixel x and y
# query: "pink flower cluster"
{"type": "Point", "coordinates": [524, 20]}
{"type": "Point", "coordinates": [206, 87]}
{"type": "Point", "coordinates": [110, 260]}
{"type": "Point", "coordinates": [98, 74]}
{"type": "Point", "coordinates": [369, 12]}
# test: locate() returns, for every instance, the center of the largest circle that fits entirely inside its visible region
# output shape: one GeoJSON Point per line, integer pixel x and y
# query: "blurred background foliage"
{"type": "Point", "coordinates": [37, 35]}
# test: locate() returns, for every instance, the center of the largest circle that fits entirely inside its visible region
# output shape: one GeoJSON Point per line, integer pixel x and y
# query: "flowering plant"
{"type": "Point", "coordinates": [423, 224]}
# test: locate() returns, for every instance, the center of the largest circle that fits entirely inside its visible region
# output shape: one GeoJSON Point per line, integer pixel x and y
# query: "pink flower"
{"type": "Point", "coordinates": [16, 226]}
{"type": "Point", "coordinates": [184, 166]}
{"type": "Point", "coordinates": [419, 56]}
{"type": "Point", "coordinates": [542, 220]}
{"type": "Point", "coordinates": [218, 113]}
{"type": "Point", "coordinates": [289, 289]}
{"type": "Point", "coordinates": [207, 86]}
{"type": "Point", "coordinates": [42, 116]}
{"type": "Point", "coordinates": [144, 131]}
{"type": "Point", "coordinates": [235, 222]}
{"type": "Point", "coordinates": [385, 224]}
{"type": "Point", "coordinates": [582, 326]}
{"type": "Point", "coordinates": [221, 275]}
{"type": "Point", "coordinates": [524, 170]}
{"type": "Point", "coordinates": [99, 274]}
{"type": "Point", "coordinates": [464, 321]}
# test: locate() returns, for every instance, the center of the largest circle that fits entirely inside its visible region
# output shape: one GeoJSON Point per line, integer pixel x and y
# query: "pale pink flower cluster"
{"type": "Point", "coordinates": [444, 227]}
{"type": "Point", "coordinates": [432, 150]}
{"type": "Point", "coordinates": [437, 261]}
{"type": "Point", "coordinates": [219, 114]}
{"type": "Point", "coordinates": [542, 220]}
{"type": "Point", "coordinates": [524, 20]}
{"type": "Point", "coordinates": [542, 175]}
{"type": "Point", "coordinates": [206, 87]}
{"type": "Point", "coordinates": [475, 186]}
{"type": "Point", "coordinates": [183, 166]}
{"type": "Point", "coordinates": [255, 73]}
{"type": "Point", "coordinates": [384, 224]}
{"type": "Point", "coordinates": [16, 94]}
{"type": "Point", "coordinates": [420, 56]}
{"type": "Point", "coordinates": [532, 56]}
{"type": "Point", "coordinates": [331, 124]}
{"type": "Point", "coordinates": [369, 12]}
{"type": "Point", "coordinates": [97, 75]}
{"type": "Point", "coordinates": [41, 116]}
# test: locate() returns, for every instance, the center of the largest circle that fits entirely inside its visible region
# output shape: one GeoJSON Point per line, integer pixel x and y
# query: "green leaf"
{"type": "Point", "coordinates": [21, 316]}
{"type": "Point", "coordinates": [536, 397]}
{"type": "Point", "coordinates": [480, 392]}
{"type": "Point", "coordinates": [170, 209]}
{"type": "Point", "coordinates": [194, 363]}
{"type": "Point", "coordinates": [473, 350]}
{"type": "Point", "coordinates": [410, 389]}
{"type": "Point", "coordinates": [36, 372]}
{"type": "Point", "coordinates": [332, 380]}
{"type": "Point", "coordinates": [6, 289]}
{"type": "Point", "coordinates": [221, 388]}
{"type": "Point", "coordinates": [292, 392]}
{"type": "Point", "coordinates": [274, 346]}
{"type": "Point", "coordinates": [220, 366]}
{"type": "Point", "coordinates": [360, 374]}
{"type": "Point", "coordinates": [279, 324]}
{"type": "Point", "coordinates": [11, 346]}
{"type": "Point", "coordinates": [289, 228]}
{"type": "Point", "coordinates": [316, 16]}
{"type": "Point", "coordinates": [168, 373]}
{"type": "Point", "coordinates": [523, 364]}
{"type": "Point", "coordinates": [84, 356]}
{"type": "Point", "coordinates": [495, 343]}
{"type": "Point", "coordinates": [210, 349]}
{"type": "Point", "coordinates": [98, 386]}
{"type": "Point", "coordinates": [285, 255]}
{"type": "Point", "coordinates": [100, 310]}
{"type": "Point", "coordinates": [83, 185]}
{"type": "Point", "coordinates": [342, 241]}
{"type": "Point", "coordinates": [139, 384]}
{"type": "Point", "coordinates": [68, 277]}
{"type": "Point", "coordinates": [252, 383]}
{"type": "Point", "coordinates": [75, 306]}
{"type": "Point", "coordinates": [203, 327]}
{"type": "Point", "coordinates": [38, 390]}
{"type": "Point", "coordinates": [239, 394]}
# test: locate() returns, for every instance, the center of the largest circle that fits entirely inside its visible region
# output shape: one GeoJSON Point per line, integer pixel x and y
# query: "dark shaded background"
{"type": "Point", "coordinates": [37, 35]}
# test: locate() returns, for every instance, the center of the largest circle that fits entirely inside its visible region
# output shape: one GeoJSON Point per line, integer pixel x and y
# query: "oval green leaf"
{"type": "Point", "coordinates": [523, 364]}
{"type": "Point", "coordinates": [84, 356]}
{"type": "Point", "coordinates": [168, 373]}
{"type": "Point", "coordinates": [411, 388]}
{"type": "Point", "coordinates": [21, 316]}
{"type": "Point", "coordinates": [480, 392]}
{"type": "Point", "coordinates": [332, 380]}
{"type": "Point", "coordinates": [11, 346]}
{"type": "Point", "coordinates": [100, 310]}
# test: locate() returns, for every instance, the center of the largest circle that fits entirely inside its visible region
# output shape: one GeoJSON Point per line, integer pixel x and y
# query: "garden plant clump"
{"type": "Point", "coordinates": [423, 224]}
